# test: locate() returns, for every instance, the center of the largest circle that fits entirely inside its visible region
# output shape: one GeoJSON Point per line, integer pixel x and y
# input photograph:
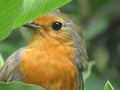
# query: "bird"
{"type": "Point", "coordinates": [54, 58]}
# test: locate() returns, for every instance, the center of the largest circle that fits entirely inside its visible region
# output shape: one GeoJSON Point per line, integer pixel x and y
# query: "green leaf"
{"type": "Point", "coordinates": [108, 86]}
{"type": "Point", "coordinates": [1, 61]}
{"type": "Point", "coordinates": [16, 13]}
{"type": "Point", "coordinates": [94, 82]}
{"type": "Point", "coordinates": [87, 74]}
{"type": "Point", "coordinates": [18, 86]}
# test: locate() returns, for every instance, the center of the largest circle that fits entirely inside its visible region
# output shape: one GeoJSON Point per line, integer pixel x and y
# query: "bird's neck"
{"type": "Point", "coordinates": [51, 46]}
{"type": "Point", "coordinates": [48, 43]}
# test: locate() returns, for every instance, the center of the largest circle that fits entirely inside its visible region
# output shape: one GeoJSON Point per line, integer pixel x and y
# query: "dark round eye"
{"type": "Point", "coordinates": [57, 25]}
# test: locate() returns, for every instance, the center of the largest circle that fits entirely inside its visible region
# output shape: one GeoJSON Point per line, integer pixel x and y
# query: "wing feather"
{"type": "Point", "coordinates": [10, 65]}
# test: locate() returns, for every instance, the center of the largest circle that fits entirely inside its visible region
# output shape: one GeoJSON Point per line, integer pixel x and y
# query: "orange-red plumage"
{"type": "Point", "coordinates": [50, 67]}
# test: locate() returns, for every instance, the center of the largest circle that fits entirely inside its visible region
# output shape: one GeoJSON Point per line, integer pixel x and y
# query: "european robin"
{"type": "Point", "coordinates": [55, 57]}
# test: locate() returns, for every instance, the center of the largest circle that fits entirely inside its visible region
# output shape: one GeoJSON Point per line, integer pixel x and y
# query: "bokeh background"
{"type": "Point", "coordinates": [100, 22]}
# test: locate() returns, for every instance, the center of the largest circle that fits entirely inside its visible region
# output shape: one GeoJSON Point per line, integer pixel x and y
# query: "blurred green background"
{"type": "Point", "coordinates": [100, 21]}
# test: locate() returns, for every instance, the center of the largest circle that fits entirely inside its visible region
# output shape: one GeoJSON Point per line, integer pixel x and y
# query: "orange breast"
{"type": "Point", "coordinates": [52, 69]}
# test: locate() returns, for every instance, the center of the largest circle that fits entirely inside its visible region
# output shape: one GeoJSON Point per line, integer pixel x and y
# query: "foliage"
{"type": "Point", "coordinates": [108, 86]}
{"type": "Point", "coordinates": [18, 86]}
{"type": "Point", "coordinates": [15, 13]}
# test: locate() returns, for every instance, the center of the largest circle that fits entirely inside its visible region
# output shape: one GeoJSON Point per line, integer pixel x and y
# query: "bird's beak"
{"type": "Point", "coordinates": [31, 24]}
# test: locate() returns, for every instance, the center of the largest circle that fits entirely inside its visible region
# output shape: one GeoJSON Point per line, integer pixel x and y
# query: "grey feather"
{"type": "Point", "coordinates": [9, 66]}
{"type": "Point", "coordinates": [80, 55]}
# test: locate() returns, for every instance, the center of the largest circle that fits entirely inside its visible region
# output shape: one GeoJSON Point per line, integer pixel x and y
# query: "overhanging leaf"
{"type": "Point", "coordinates": [15, 13]}
{"type": "Point", "coordinates": [18, 86]}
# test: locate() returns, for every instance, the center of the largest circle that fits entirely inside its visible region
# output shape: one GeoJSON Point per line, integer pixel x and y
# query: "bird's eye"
{"type": "Point", "coordinates": [57, 25]}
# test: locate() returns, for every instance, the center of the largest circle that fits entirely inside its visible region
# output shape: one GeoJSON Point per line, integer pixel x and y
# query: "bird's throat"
{"type": "Point", "coordinates": [50, 44]}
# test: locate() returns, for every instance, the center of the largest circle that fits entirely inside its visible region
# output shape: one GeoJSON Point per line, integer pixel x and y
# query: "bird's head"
{"type": "Point", "coordinates": [55, 25]}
